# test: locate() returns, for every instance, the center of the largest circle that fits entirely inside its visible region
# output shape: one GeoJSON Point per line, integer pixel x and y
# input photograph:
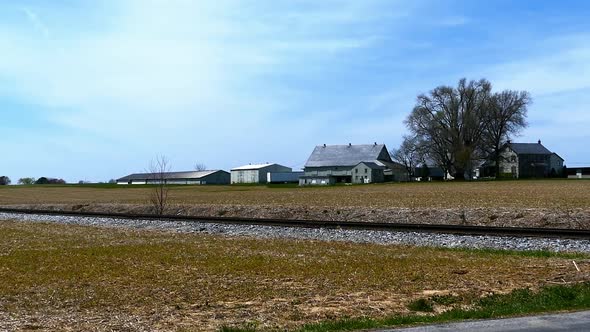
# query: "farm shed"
{"type": "Point", "coordinates": [191, 177]}
{"type": "Point", "coordinates": [362, 163]}
{"type": "Point", "coordinates": [578, 173]}
{"type": "Point", "coordinates": [256, 173]}
{"type": "Point", "coordinates": [283, 177]}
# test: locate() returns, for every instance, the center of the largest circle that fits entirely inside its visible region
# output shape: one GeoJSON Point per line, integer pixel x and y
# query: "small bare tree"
{"type": "Point", "coordinates": [159, 195]}
{"type": "Point", "coordinates": [409, 154]}
{"type": "Point", "coordinates": [200, 167]}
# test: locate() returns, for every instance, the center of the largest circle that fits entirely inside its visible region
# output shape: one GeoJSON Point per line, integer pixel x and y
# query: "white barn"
{"type": "Point", "coordinates": [256, 173]}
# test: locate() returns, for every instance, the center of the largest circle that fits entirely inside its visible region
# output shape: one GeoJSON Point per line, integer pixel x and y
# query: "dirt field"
{"type": "Point", "coordinates": [57, 277]}
{"type": "Point", "coordinates": [560, 194]}
{"type": "Point", "coordinates": [549, 203]}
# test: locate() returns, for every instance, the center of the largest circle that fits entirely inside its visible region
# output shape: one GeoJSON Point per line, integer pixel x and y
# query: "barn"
{"type": "Point", "coordinates": [256, 173]}
{"type": "Point", "coordinates": [190, 177]}
{"type": "Point", "coordinates": [362, 163]}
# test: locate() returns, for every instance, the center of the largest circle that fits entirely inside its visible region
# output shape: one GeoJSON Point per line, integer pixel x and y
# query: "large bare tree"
{"type": "Point", "coordinates": [507, 113]}
{"type": "Point", "coordinates": [159, 195]}
{"type": "Point", "coordinates": [454, 123]}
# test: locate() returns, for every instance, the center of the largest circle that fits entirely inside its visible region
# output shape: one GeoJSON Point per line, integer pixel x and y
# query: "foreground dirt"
{"type": "Point", "coordinates": [57, 277]}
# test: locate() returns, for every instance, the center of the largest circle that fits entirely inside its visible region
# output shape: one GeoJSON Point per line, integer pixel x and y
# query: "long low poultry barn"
{"type": "Point", "coordinates": [190, 177]}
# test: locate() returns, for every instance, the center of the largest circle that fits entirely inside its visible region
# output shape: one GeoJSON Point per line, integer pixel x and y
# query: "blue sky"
{"type": "Point", "coordinates": [93, 90]}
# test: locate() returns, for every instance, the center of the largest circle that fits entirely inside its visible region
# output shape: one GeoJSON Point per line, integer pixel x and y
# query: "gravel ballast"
{"type": "Point", "coordinates": [358, 236]}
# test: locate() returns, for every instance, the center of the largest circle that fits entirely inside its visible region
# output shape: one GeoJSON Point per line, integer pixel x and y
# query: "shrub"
{"type": "Point", "coordinates": [422, 305]}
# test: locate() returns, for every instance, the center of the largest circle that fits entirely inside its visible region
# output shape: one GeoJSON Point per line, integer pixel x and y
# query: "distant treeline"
{"type": "Point", "coordinates": [5, 180]}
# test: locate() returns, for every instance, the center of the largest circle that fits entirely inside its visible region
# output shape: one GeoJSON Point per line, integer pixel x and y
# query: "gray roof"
{"type": "Point", "coordinates": [372, 165]}
{"type": "Point", "coordinates": [254, 167]}
{"type": "Point", "coordinates": [347, 155]}
{"type": "Point", "coordinates": [529, 148]}
{"type": "Point", "coordinates": [558, 156]}
{"type": "Point", "coordinates": [169, 175]}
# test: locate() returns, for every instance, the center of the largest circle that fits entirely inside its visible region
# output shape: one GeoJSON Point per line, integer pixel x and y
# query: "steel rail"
{"type": "Point", "coordinates": [319, 224]}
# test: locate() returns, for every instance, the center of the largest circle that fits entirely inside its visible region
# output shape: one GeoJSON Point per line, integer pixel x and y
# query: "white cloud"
{"type": "Point", "coordinates": [199, 72]}
{"type": "Point", "coordinates": [558, 66]}
{"type": "Point", "coordinates": [558, 77]}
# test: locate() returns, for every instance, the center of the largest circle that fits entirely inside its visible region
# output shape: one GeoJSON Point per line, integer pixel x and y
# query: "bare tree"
{"type": "Point", "coordinates": [200, 167]}
{"type": "Point", "coordinates": [451, 120]}
{"type": "Point", "coordinates": [409, 154]}
{"type": "Point", "coordinates": [506, 115]}
{"type": "Point", "coordinates": [159, 195]}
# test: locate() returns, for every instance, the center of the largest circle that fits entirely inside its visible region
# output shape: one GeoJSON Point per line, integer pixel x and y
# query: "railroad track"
{"type": "Point", "coordinates": [380, 226]}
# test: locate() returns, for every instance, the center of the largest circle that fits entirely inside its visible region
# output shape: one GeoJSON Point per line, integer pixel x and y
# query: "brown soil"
{"type": "Point", "coordinates": [573, 218]}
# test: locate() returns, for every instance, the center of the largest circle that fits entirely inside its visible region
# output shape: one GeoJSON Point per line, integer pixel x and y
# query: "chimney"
{"type": "Point", "coordinates": [375, 143]}
{"type": "Point", "coordinates": [324, 144]}
{"type": "Point", "coordinates": [539, 141]}
{"type": "Point", "coordinates": [349, 144]}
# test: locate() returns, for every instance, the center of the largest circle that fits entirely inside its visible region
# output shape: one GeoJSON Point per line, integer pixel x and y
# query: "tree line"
{"type": "Point", "coordinates": [457, 128]}
{"type": "Point", "coordinates": [5, 180]}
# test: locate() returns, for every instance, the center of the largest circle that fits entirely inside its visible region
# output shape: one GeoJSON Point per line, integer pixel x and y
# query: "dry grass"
{"type": "Point", "coordinates": [58, 277]}
{"type": "Point", "coordinates": [551, 194]}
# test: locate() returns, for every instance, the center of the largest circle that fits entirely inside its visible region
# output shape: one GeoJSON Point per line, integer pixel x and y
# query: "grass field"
{"type": "Point", "coordinates": [551, 194]}
{"type": "Point", "coordinates": [58, 277]}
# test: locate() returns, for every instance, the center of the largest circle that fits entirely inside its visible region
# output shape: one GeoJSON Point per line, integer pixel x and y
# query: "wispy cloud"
{"type": "Point", "coordinates": [120, 80]}
{"type": "Point", "coordinates": [36, 21]}
{"type": "Point", "coordinates": [164, 76]}
{"type": "Point", "coordinates": [559, 65]}
{"type": "Point", "coordinates": [454, 21]}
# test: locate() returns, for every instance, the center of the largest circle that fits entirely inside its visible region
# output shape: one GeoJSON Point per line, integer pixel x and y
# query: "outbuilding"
{"type": "Point", "coordinates": [256, 173]}
{"type": "Point", "coordinates": [283, 177]}
{"type": "Point", "coordinates": [578, 173]}
{"type": "Point", "coordinates": [190, 177]}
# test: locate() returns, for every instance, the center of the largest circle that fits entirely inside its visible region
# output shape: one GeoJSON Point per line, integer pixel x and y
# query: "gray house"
{"type": "Point", "coordinates": [526, 160]}
{"type": "Point", "coordinates": [363, 163]}
{"type": "Point", "coordinates": [191, 177]}
{"type": "Point", "coordinates": [256, 173]}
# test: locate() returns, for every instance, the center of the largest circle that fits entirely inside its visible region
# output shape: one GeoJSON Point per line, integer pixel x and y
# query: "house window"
{"type": "Point", "coordinates": [513, 159]}
{"type": "Point", "coordinates": [366, 171]}
{"type": "Point", "coordinates": [356, 171]}
{"type": "Point", "coordinates": [513, 170]}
